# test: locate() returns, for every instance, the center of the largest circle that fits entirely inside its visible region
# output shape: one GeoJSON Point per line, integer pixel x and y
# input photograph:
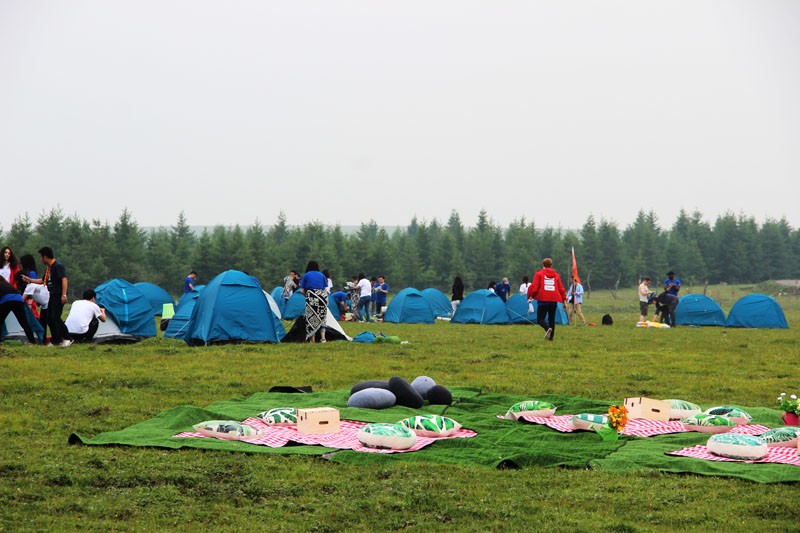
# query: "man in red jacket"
{"type": "Point", "coordinates": [548, 291]}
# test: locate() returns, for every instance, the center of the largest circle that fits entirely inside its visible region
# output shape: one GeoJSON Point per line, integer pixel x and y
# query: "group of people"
{"type": "Point", "coordinates": [46, 296]}
{"type": "Point", "coordinates": [666, 302]}
{"type": "Point", "coordinates": [367, 297]}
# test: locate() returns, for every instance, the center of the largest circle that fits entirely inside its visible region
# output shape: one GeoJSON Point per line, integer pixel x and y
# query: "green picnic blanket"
{"type": "Point", "coordinates": [499, 443]}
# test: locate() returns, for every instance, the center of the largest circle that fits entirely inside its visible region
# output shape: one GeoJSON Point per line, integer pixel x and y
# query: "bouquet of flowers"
{"type": "Point", "coordinates": [789, 404]}
{"type": "Point", "coordinates": [617, 420]}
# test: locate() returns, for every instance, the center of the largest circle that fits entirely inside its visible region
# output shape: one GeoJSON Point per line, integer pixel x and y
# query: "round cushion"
{"type": "Point", "coordinates": [405, 393]}
{"type": "Point", "coordinates": [387, 436]}
{"type": "Point", "coordinates": [280, 416]}
{"type": "Point", "coordinates": [226, 429]}
{"type": "Point", "coordinates": [681, 409]}
{"type": "Point", "coordinates": [422, 384]}
{"type": "Point", "coordinates": [439, 395]}
{"type": "Point", "coordinates": [370, 384]}
{"type": "Point", "coordinates": [785, 436]}
{"type": "Point", "coordinates": [530, 408]}
{"type": "Point", "coordinates": [705, 423]}
{"type": "Point", "coordinates": [737, 414]}
{"type": "Point", "coordinates": [588, 421]}
{"type": "Point", "coordinates": [431, 425]}
{"type": "Point", "coordinates": [372, 399]}
{"type": "Point", "coordinates": [737, 446]}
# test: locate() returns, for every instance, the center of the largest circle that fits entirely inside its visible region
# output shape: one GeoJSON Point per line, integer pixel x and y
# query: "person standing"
{"type": "Point", "coordinates": [672, 285]}
{"type": "Point", "coordinates": [381, 292]}
{"type": "Point", "coordinates": [645, 294]}
{"type": "Point", "coordinates": [456, 293]}
{"type": "Point", "coordinates": [57, 283]}
{"type": "Point", "coordinates": [290, 285]}
{"type": "Point", "coordinates": [575, 299]}
{"type": "Point", "coordinates": [365, 292]}
{"type": "Point", "coordinates": [314, 286]}
{"type": "Point", "coordinates": [11, 302]}
{"type": "Point", "coordinates": [523, 287]}
{"type": "Point", "coordinates": [9, 266]}
{"type": "Point", "coordinates": [548, 291]}
{"type": "Point", "coordinates": [503, 289]}
{"type": "Point", "coordinates": [84, 317]}
{"type": "Point", "coordinates": [188, 282]}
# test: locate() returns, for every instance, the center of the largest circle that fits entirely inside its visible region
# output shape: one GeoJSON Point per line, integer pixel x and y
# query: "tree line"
{"type": "Point", "coordinates": [733, 249]}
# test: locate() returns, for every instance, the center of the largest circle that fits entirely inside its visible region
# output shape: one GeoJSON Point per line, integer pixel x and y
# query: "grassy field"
{"type": "Point", "coordinates": [48, 393]}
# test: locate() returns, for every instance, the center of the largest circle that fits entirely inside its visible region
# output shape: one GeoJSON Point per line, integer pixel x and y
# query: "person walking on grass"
{"type": "Point", "coordinates": [548, 291]}
{"type": "Point", "coordinates": [575, 299]}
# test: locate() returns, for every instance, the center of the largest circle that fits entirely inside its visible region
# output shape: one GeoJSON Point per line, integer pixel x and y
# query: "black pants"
{"type": "Point", "coordinates": [89, 335]}
{"type": "Point", "coordinates": [58, 331]}
{"type": "Point", "coordinates": [18, 308]}
{"type": "Point", "coordinates": [547, 310]}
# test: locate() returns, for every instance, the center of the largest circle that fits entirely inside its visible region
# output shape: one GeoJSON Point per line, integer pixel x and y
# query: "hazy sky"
{"type": "Point", "coordinates": [346, 111]}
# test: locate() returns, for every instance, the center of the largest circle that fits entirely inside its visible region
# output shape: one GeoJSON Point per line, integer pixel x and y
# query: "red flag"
{"type": "Point", "coordinates": [575, 267]}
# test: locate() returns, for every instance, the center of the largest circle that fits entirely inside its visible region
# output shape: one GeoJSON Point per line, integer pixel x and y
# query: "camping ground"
{"type": "Point", "coordinates": [49, 393]}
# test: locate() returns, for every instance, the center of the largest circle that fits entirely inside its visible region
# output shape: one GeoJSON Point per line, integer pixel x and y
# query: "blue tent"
{"type": "Point", "coordinates": [439, 301]}
{"type": "Point", "coordinates": [481, 307]}
{"type": "Point", "coordinates": [517, 309]}
{"type": "Point", "coordinates": [128, 307]}
{"type": "Point", "coordinates": [295, 306]}
{"type": "Point", "coordinates": [698, 310]}
{"type": "Point", "coordinates": [233, 307]}
{"type": "Point", "coordinates": [410, 306]}
{"type": "Point", "coordinates": [756, 311]}
{"type": "Point", "coordinates": [276, 295]}
{"type": "Point", "coordinates": [178, 324]}
{"type": "Point", "coordinates": [157, 296]}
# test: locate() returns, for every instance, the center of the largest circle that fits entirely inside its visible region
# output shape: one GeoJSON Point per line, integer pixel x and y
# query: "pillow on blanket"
{"type": "Point", "coordinates": [422, 384]}
{"type": "Point", "coordinates": [785, 436]}
{"type": "Point", "coordinates": [680, 409]}
{"type": "Point", "coordinates": [737, 414]}
{"type": "Point", "coordinates": [431, 425]}
{"type": "Point", "coordinates": [280, 416]}
{"type": "Point", "coordinates": [226, 429]}
{"type": "Point", "coordinates": [588, 421]}
{"type": "Point", "coordinates": [387, 436]}
{"type": "Point", "coordinates": [370, 384]}
{"type": "Point", "coordinates": [372, 399]}
{"type": "Point", "coordinates": [405, 393]}
{"type": "Point", "coordinates": [737, 446]}
{"type": "Point", "coordinates": [705, 423]}
{"type": "Point", "coordinates": [530, 408]}
{"type": "Point", "coordinates": [440, 395]}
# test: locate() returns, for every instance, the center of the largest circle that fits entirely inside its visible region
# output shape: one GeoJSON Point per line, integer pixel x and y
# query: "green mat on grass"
{"type": "Point", "coordinates": [499, 443]}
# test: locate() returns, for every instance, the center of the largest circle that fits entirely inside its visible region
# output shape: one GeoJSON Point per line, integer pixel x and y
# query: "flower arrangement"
{"type": "Point", "coordinates": [617, 417]}
{"type": "Point", "coordinates": [789, 404]}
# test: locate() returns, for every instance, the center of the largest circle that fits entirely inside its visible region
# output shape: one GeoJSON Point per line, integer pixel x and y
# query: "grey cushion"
{"type": "Point", "coordinates": [372, 398]}
{"type": "Point", "coordinates": [422, 384]}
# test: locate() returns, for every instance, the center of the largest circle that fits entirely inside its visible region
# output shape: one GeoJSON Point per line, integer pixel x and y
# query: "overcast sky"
{"type": "Point", "coordinates": [342, 112]}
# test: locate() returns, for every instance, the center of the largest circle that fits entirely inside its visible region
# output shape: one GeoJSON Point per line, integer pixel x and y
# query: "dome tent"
{"type": "Point", "coordinates": [179, 322]}
{"type": "Point", "coordinates": [439, 301]}
{"type": "Point", "coordinates": [410, 306]}
{"type": "Point", "coordinates": [128, 310]}
{"type": "Point", "coordinates": [756, 311]}
{"type": "Point", "coordinates": [517, 308]}
{"type": "Point", "coordinates": [233, 308]}
{"type": "Point", "coordinates": [156, 295]}
{"type": "Point", "coordinates": [12, 329]}
{"type": "Point", "coordinates": [295, 306]}
{"type": "Point", "coordinates": [698, 310]}
{"type": "Point", "coordinates": [481, 307]}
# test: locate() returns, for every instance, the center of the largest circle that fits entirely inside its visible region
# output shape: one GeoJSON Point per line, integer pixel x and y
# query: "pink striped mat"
{"type": "Point", "coordinates": [347, 438]}
{"type": "Point", "coordinates": [776, 454]}
{"type": "Point", "coordinates": [636, 427]}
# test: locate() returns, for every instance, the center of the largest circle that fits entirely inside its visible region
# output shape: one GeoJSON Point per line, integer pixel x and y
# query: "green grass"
{"type": "Point", "coordinates": [48, 393]}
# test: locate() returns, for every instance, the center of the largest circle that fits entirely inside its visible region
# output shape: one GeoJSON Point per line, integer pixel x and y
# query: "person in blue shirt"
{"type": "Point", "coordinates": [503, 289]}
{"type": "Point", "coordinates": [314, 286]}
{"type": "Point", "coordinates": [382, 289]}
{"type": "Point", "coordinates": [672, 285]}
{"type": "Point", "coordinates": [188, 283]}
{"type": "Point", "coordinates": [575, 300]}
{"type": "Point", "coordinates": [340, 297]}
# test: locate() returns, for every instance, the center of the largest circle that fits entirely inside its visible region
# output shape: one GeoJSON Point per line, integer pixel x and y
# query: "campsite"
{"type": "Point", "coordinates": [53, 396]}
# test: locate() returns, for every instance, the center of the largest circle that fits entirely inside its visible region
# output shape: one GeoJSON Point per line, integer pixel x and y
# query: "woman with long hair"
{"type": "Point", "coordinates": [9, 265]}
{"type": "Point", "coordinates": [314, 286]}
{"type": "Point", "coordinates": [457, 293]}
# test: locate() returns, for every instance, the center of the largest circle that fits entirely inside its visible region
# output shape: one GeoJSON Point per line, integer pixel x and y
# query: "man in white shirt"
{"type": "Point", "coordinates": [82, 322]}
{"type": "Point", "coordinates": [365, 296]}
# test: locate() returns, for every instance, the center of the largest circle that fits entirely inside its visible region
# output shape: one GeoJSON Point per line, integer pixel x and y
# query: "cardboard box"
{"type": "Point", "coordinates": [318, 420]}
{"type": "Point", "coordinates": [647, 408]}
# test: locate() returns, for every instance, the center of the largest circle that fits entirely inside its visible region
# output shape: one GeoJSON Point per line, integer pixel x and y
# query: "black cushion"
{"type": "Point", "coordinates": [370, 384]}
{"type": "Point", "coordinates": [440, 395]}
{"type": "Point", "coordinates": [405, 393]}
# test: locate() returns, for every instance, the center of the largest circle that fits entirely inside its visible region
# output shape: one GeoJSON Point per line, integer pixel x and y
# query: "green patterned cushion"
{"type": "Point", "coordinates": [681, 409]}
{"type": "Point", "coordinates": [387, 436]}
{"type": "Point", "coordinates": [588, 421]}
{"type": "Point", "coordinates": [705, 423]}
{"type": "Point", "coordinates": [226, 429]}
{"type": "Point", "coordinates": [431, 425]}
{"type": "Point", "coordinates": [737, 446]}
{"type": "Point", "coordinates": [737, 414]}
{"type": "Point", "coordinates": [530, 408]}
{"type": "Point", "coordinates": [785, 436]}
{"type": "Point", "coordinates": [280, 416]}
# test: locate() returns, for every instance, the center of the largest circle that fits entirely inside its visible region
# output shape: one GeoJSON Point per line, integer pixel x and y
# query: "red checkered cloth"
{"type": "Point", "coordinates": [776, 454]}
{"type": "Point", "coordinates": [346, 438]}
{"type": "Point", "coordinates": [637, 427]}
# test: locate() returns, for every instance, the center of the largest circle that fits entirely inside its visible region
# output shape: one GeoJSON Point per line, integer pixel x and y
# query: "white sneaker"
{"type": "Point", "coordinates": [65, 343]}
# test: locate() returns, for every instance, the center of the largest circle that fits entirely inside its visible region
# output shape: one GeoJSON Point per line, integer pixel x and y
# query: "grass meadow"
{"type": "Point", "coordinates": [48, 393]}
